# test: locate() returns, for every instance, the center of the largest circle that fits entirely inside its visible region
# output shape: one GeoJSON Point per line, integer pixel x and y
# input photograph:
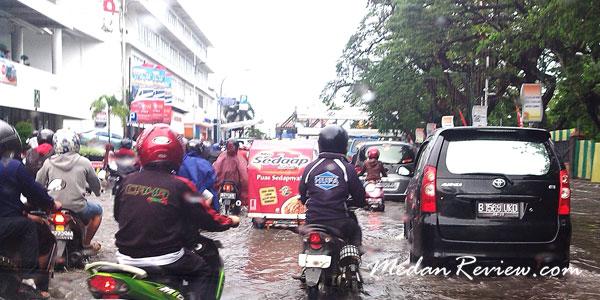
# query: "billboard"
{"type": "Point", "coordinates": [8, 73]}
{"type": "Point", "coordinates": [274, 172]}
{"type": "Point", "coordinates": [531, 97]}
{"type": "Point", "coordinates": [151, 94]}
{"type": "Point", "coordinates": [479, 115]}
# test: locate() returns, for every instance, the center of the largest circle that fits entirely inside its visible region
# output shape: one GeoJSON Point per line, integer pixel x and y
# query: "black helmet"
{"type": "Point", "coordinates": [195, 146]}
{"type": "Point", "coordinates": [10, 141]}
{"type": "Point", "coordinates": [333, 138]}
{"type": "Point", "coordinates": [45, 136]}
{"type": "Point", "coordinates": [126, 143]}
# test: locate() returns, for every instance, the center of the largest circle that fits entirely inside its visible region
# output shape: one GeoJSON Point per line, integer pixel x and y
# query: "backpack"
{"type": "Point", "coordinates": [34, 161]}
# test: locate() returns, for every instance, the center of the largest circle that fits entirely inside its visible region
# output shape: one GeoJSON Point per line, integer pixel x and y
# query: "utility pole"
{"type": "Point", "coordinates": [124, 67]}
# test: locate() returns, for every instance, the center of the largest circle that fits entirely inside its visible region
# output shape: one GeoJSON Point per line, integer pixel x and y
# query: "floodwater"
{"type": "Point", "coordinates": [260, 263]}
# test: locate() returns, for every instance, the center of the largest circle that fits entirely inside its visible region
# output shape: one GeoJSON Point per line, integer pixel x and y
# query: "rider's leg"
{"type": "Point", "coordinates": [22, 231]}
{"type": "Point", "coordinates": [47, 243]}
{"type": "Point", "coordinates": [204, 280]}
{"type": "Point", "coordinates": [92, 216]}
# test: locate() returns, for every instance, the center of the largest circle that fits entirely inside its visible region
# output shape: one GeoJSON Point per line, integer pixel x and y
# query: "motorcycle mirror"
{"type": "Point", "coordinates": [56, 185]}
{"type": "Point", "coordinates": [403, 171]}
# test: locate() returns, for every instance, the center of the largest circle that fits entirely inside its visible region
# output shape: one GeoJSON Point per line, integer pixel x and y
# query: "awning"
{"type": "Point", "coordinates": [38, 13]}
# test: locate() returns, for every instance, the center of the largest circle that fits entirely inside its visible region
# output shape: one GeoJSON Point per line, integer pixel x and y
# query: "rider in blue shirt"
{"type": "Point", "coordinates": [197, 169]}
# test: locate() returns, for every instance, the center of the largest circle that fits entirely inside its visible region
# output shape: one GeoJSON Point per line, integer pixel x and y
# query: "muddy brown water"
{"type": "Point", "coordinates": [260, 263]}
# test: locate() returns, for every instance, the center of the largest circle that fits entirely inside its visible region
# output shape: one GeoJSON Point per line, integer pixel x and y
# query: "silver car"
{"type": "Point", "coordinates": [398, 158]}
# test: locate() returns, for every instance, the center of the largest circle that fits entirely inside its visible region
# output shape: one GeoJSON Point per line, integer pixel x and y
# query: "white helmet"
{"type": "Point", "coordinates": [66, 140]}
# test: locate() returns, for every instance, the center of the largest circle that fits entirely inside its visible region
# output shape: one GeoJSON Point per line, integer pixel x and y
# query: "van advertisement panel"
{"type": "Point", "coordinates": [274, 172]}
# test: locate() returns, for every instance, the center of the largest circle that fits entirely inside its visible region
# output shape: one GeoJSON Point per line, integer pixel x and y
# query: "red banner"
{"type": "Point", "coordinates": [274, 172]}
{"type": "Point", "coordinates": [149, 111]}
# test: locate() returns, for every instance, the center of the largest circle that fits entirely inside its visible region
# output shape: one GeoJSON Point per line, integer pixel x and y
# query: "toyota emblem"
{"type": "Point", "coordinates": [499, 183]}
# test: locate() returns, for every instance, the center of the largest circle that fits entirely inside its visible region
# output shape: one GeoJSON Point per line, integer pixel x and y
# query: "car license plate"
{"type": "Point", "coordinates": [497, 210]}
{"type": "Point", "coordinates": [230, 196]}
{"type": "Point", "coordinates": [63, 235]}
{"type": "Point", "coordinates": [314, 261]}
{"type": "Point", "coordinates": [390, 185]}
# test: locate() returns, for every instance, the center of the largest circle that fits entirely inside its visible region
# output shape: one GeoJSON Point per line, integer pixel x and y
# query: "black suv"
{"type": "Point", "coordinates": [495, 193]}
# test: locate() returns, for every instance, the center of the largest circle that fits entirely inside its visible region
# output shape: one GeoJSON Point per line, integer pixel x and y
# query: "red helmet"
{"type": "Point", "coordinates": [159, 144]}
{"type": "Point", "coordinates": [373, 153]}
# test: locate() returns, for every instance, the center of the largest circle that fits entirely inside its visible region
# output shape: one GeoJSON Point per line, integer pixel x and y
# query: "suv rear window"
{"type": "Point", "coordinates": [497, 157]}
{"type": "Point", "coordinates": [389, 153]}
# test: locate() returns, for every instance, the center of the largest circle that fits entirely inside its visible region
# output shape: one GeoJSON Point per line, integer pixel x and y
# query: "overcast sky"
{"type": "Point", "coordinates": [280, 53]}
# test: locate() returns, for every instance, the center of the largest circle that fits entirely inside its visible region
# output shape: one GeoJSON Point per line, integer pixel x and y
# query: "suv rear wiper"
{"type": "Point", "coordinates": [492, 174]}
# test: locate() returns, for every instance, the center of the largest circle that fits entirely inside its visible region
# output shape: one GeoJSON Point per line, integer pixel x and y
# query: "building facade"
{"type": "Point", "coordinates": [63, 54]}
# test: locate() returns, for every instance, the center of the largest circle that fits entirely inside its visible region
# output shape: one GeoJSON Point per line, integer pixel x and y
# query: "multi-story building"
{"type": "Point", "coordinates": [67, 53]}
{"type": "Point", "coordinates": [163, 33]}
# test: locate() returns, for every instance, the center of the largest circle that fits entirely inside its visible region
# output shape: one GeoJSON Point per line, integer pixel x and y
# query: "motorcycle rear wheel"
{"type": "Point", "coordinates": [312, 292]}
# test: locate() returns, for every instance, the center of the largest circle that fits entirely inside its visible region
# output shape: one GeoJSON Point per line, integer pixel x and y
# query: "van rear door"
{"type": "Point", "coordinates": [498, 187]}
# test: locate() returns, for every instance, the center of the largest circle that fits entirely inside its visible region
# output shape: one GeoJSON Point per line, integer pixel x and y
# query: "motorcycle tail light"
{"type": "Point", "coordinates": [228, 188]}
{"type": "Point", "coordinates": [107, 286]}
{"type": "Point", "coordinates": [564, 196]}
{"type": "Point", "coordinates": [314, 240]}
{"type": "Point", "coordinates": [59, 219]}
{"type": "Point", "coordinates": [407, 160]}
{"type": "Point", "coordinates": [358, 169]}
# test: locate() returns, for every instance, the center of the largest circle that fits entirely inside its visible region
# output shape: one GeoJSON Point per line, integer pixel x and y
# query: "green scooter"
{"type": "Point", "coordinates": [117, 281]}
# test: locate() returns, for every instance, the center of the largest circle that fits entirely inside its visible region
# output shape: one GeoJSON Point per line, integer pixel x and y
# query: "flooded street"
{"type": "Point", "coordinates": [260, 263]}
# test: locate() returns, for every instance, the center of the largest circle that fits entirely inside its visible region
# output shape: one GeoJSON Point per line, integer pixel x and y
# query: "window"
{"type": "Point", "coordinates": [390, 153]}
{"type": "Point", "coordinates": [497, 157]}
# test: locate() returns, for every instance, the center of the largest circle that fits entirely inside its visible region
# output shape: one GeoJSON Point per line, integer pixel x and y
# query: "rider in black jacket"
{"type": "Point", "coordinates": [16, 230]}
{"type": "Point", "coordinates": [328, 182]}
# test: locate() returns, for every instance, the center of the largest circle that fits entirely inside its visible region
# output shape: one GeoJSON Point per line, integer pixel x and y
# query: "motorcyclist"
{"type": "Point", "coordinates": [231, 167]}
{"type": "Point", "coordinates": [35, 157]}
{"type": "Point", "coordinates": [373, 167]}
{"type": "Point", "coordinates": [16, 230]}
{"type": "Point", "coordinates": [32, 140]}
{"type": "Point", "coordinates": [126, 149]}
{"type": "Point", "coordinates": [327, 183]}
{"type": "Point", "coordinates": [79, 176]}
{"type": "Point", "coordinates": [196, 168]}
{"type": "Point", "coordinates": [157, 222]}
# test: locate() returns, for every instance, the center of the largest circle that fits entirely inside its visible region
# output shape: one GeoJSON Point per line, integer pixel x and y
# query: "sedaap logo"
{"type": "Point", "coordinates": [280, 160]}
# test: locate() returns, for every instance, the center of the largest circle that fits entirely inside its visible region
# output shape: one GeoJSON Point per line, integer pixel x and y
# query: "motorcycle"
{"type": "Point", "coordinates": [229, 197]}
{"type": "Point", "coordinates": [374, 196]}
{"type": "Point", "coordinates": [118, 169]}
{"type": "Point", "coordinates": [117, 281]}
{"type": "Point", "coordinates": [11, 285]}
{"type": "Point", "coordinates": [328, 261]}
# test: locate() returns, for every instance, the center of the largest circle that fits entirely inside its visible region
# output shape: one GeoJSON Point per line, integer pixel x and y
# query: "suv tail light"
{"type": "Point", "coordinates": [314, 240]}
{"type": "Point", "coordinates": [564, 195]}
{"type": "Point", "coordinates": [106, 286]}
{"type": "Point", "coordinates": [59, 218]}
{"type": "Point", "coordinates": [428, 190]}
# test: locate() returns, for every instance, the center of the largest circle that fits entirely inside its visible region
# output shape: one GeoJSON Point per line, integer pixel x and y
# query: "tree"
{"type": "Point", "coordinates": [24, 129]}
{"type": "Point", "coordinates": [254, 132]}
{"type": "Point", "coordinates": [425, 59]}
{"type": "Point", "coordinates": [115, 108]}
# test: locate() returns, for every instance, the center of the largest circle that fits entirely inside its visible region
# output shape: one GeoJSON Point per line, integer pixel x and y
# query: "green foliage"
{"type": "Point", "coordinates": [425, 59]}
{"type": "Point", "coordinates": [24, 128]}
{"type": "Point", "coordinates": [117, 107]}
{"type": "Point", "coordinates": [91, 152]}
{"type": "Point", "coordinates": [255, 133]}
